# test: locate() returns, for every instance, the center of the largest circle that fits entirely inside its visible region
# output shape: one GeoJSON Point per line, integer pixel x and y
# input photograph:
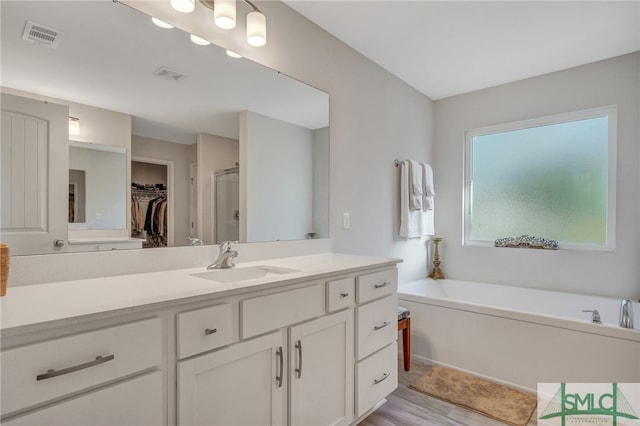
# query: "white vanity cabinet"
{"type": "Point", "coordinates": [316, 349]}
{"type": "Point", "coordinates": [243, 384]}
{"type": "Point", "coordinates": [317, 353]}
{"type": "Point", "coordinates": [305, 355]}
{"type": "Point", "coordinates": [321, 371]}
{"type": "Point", "coordinates": [376, 335]}
{"type": "Point", "coordinates": [95, 377]}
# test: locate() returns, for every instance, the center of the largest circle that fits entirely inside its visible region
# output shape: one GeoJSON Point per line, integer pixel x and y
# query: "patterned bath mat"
{"type": "Point", "coordinates": [490, 399]}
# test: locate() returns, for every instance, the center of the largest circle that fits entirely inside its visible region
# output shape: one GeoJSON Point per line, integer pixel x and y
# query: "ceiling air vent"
{"type": "Point", "coordinates": [42, 34]}
{"type": "Point", "coordinates": [169, 74]}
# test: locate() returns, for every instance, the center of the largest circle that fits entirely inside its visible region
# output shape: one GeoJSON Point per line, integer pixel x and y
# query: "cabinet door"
{"type": "Point", "coordinates": [34, 166]}
{"type": "Point", "coordinates": [131, 403]}
{"type": "Point", "coordinates": [321, 375]}
{"type": "Point", "coordinates": [243, 384]}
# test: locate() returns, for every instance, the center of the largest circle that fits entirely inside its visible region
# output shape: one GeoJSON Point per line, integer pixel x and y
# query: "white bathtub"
{"type": "Point", "coordinates": [520, 336]}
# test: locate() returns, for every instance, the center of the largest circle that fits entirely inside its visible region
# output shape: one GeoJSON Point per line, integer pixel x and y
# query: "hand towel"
{"type": "Point", "coordinates": [415, 223]}
{"type": "Point", "coordinates": [416, 183]}
{"type": "Point", "coordinates": [427, 182]}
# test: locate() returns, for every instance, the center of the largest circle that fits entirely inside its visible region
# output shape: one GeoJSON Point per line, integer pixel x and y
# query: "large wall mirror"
{"type": "Point", "coordinates": [215, 147]}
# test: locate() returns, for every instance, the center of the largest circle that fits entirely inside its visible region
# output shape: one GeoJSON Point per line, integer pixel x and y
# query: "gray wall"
{"type": "Point", "coordinates": [214, 153]}
{"type": "Point", "coordinates": [611, 82]}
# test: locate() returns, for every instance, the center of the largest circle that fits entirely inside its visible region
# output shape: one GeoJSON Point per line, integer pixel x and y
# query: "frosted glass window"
{"type": "Point", "coordinates": [548, 178]}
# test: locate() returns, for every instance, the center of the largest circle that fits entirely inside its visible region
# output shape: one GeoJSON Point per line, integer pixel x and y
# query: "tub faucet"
{"type": "Point", "coordinates": [225, 256]}
{"type": "Point", "coordinates": [626, 313]}
{"type": "Point", "coordinates": [595, 317]}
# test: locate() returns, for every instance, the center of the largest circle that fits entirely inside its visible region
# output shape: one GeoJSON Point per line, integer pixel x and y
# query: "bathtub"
{"type": "Point", "coordinates": [520, 336]}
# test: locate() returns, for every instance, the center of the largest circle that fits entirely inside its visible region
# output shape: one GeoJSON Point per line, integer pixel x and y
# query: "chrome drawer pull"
{"type": "Point", "coordinates": [299, 349]}
{"type": "Point", "coordinates": [209, 331]}
{"type": "Point", "coordinates": [54, 373]}
{"type": "Point", "coordinates": [343, 295]}
{"type": "Point", "coordinates": [281, 365]}
{"type": "Point", "coordinates": [385, 377]}
{"type": "Point", "coordinates": [384, 324]}
{"type": "Point", "coordinates": [384, 284]}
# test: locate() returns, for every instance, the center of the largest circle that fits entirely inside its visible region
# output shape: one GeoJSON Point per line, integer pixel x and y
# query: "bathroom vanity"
{"type": "Point", "coordinates": [299, 340]}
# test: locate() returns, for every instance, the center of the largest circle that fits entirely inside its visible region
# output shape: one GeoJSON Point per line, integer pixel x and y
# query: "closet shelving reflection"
{"type": "Point", "coordinates": [149, 216]}
{"type": "Point", "coordinates": [148, 193]}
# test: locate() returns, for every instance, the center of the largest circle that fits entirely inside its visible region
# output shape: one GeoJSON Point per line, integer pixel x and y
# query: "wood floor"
{"type": "Point", "coordinates": [406, 407]}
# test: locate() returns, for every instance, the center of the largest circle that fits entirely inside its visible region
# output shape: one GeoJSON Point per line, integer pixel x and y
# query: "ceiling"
{"type": "Point", "coordinates": [446, 48]}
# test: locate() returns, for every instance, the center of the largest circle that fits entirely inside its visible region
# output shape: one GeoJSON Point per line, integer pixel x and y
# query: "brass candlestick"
{"type": "Point", "coordinates": [436, 274]}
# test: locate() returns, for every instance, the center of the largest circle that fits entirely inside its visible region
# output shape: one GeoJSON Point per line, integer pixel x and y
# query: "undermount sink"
{"type": "Point", "coordinates": [243, 274]}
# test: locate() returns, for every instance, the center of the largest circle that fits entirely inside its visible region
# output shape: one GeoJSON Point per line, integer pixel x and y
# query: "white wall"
{"type": "Point", "coordinates": [277, 179]}
{"type": "Point", "coordinates": [610, 82]}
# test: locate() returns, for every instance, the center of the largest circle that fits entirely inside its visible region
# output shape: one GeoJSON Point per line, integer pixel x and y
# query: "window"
{"type": "Point", "coordinates": [552, 177]}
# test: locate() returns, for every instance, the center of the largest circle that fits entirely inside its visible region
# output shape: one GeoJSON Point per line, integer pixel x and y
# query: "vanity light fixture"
{"type": "Point", "coordinates": [199, 41]}
{"type": "Point", "coordinates": [184, 6]}
{"type": "Point", "coordinates": [74, 126]}
{"type": "Point", "coordinates": [160, 23]}
{"type": "Point", "coordinates": [256, 29]}
{"type": "Point", "coordinates": [224, 15]}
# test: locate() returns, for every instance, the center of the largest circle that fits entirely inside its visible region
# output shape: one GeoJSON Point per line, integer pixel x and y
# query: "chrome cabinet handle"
{"type": "Point", "coordinates": [281, 365]}
{"type": "Point", "coordinates": [54, 373]}
{"type": "Point", "coordinates": [343, 295]}
{"type": "Point", "coordinates": [384, 284]}
{"type": "Point", "coordinates": [385, 377]}
{"type": "Point", "coordinates": [209, 331]}
{"type": "Point", "coordinates": [299, 349]}
{"type": "Point", "coordinates": [379, 327]}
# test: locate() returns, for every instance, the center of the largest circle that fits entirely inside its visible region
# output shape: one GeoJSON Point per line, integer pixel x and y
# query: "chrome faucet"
{"type": "Point", "coordinates": [626, 313]}
{"type": "Point", "coordinates": [595, 316]}
{"type": "Point", "coordinates": [225, 256]}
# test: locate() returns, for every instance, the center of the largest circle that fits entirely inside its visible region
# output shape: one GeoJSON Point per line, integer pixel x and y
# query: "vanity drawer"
{"type": "Point", "coordinates": [265, 313]}
{"type": "Point", "coordinates": [376, 377]}
{"type": "Point", "coordinates": [111, 405]}
{"type": "Point", "coordinates": [204, 329]}
{"type": "Point", "coordinates": [377, 285]}
{"type": "Point", "coordinates": [376, 325]}
{"type": "Point", "coordinates": [42, 371]}
{"type": "Point", "coordinates": [340, 294]}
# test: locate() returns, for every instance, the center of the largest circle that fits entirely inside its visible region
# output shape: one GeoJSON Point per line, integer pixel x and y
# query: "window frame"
{"type": "Point", "coordinates": [611, 112]}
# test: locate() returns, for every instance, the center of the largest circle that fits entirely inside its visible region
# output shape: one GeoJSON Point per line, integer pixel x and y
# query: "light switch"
{"type": "Point", "coordinates": [346, 221]}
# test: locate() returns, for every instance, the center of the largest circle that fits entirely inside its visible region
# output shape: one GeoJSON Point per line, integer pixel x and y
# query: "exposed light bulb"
{"type": "Point", "coordinates": [256, 29]}
{"type": "Point", "coordinates": [184, 6]}
{"type": "Point", "coordinates": [198, 40]}
{"type": "Point", "coordinates": [160, 23]}
{"type": "Point", "coordinates": [224, 14]}
{"type": "Point", "coordinates": [233, 54]}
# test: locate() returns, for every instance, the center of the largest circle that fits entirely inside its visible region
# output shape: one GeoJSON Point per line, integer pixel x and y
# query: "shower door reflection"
{"type": "Point", "coordinates": [226, 205]}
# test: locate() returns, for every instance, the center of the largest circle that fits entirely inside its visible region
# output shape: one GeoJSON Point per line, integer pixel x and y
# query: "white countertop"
{"type": "Point", "coordinates": [30, 305]}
